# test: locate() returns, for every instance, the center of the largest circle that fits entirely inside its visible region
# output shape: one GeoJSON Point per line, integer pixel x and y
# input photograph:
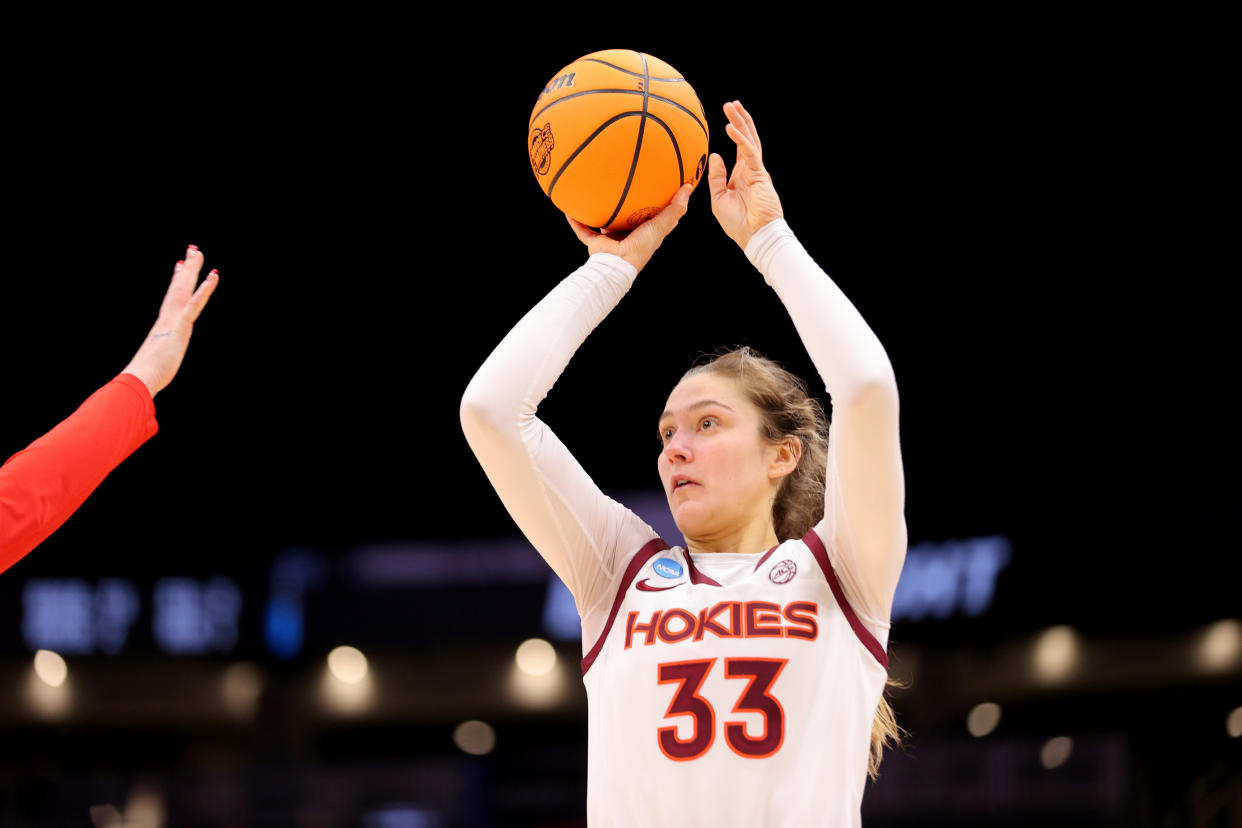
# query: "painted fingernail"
{"type": "Point", "coordinates": [180, 262]}
{"type": "Point", "coordinates": [191, 250]}
{"type": "Point", "coordinates": [214, 272]}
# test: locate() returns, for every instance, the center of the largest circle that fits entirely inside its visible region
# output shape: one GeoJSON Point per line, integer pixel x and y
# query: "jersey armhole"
{"type": "Point", "coordinates": [646, 553]}
{"type": "Point", "coordinates": [868, 639]}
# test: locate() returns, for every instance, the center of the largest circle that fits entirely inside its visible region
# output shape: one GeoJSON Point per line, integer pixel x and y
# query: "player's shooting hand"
{"type": "Point", "coordinates": [160, 356]}
{"type": "Point", "coordinates": [638, 245]}
{"type": "Point", "coordinates": [746, 200]}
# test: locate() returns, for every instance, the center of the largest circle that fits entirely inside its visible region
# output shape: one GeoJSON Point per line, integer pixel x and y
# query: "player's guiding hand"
{"type": "Point", "coordinates": [746, 200]}
{"type": "Point", "coordinates": [160, 355]}
{"type": "Point", "coordinates": [638, 245]}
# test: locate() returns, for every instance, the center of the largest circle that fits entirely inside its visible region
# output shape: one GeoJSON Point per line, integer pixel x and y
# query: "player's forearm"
{"type": "Point", "coordinates": [508, 387]}
{"type": "Point", "coordinates": [847, 353]}
{"type": "Point", "coordinates": [559, 509]}
{"type": "Point", "coordinates": [42, 485]}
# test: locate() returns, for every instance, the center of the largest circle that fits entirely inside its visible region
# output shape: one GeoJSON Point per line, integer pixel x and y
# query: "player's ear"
{"type": "Point", "coordinates": [784, 458]}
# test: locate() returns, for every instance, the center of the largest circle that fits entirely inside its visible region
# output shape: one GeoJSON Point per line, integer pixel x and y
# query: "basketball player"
{"type": "Point", "coordinates": [738, 681]}
{"type": "Point", "coordinates": [42, 485]}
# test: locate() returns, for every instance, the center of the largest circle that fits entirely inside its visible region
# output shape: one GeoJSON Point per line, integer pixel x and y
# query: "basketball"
{"type": "Point", "coordinates": [614, 135]}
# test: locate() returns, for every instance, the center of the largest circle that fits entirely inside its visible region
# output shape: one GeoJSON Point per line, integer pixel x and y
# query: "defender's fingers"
{"type": "Point", "coordinates": [184, 278]}
{"type": "Point", "coordinates": [199, 300]}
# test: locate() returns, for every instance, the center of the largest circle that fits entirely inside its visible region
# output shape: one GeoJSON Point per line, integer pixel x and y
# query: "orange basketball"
{"type": "Point", "coordinates": [614, 135]}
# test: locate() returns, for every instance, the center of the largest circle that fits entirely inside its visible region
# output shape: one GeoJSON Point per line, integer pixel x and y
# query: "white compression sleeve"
{"type": "Point", "coordinates": [585, 536]}
{"type": "Point", "coordinates": [864, 524]}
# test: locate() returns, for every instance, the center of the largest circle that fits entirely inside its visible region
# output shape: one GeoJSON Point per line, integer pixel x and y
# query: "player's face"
{"type": "Point", "coordinates": [715, 466]}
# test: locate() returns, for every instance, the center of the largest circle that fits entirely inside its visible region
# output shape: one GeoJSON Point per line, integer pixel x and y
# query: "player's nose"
{"type": "Point", "coordinates": [678, 449]}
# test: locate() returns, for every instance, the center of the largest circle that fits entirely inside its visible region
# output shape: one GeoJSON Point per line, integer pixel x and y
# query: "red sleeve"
{"type": "Point", "coordinates": [42, 485]}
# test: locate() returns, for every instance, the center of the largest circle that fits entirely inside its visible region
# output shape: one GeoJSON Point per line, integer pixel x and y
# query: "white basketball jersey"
{"type": "Point", "coordinates": [748, 704]}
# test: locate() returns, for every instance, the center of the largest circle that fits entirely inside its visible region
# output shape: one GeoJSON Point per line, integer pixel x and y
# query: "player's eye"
{"type": "Point", "coordinates": [707, 423]}
{"type": "Point", "coordinates": [666, 434]}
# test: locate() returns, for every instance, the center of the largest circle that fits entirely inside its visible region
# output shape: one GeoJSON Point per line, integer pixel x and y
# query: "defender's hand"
{"type": "Point", "coordinates": [160, 355]}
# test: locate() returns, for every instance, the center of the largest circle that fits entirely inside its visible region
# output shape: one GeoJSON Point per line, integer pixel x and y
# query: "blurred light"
{"type": "Point", "coordinates": [46, 700]}
{"type": "Point", "coordinates": [50, 668]}
{"type": "Point", "coordinates": [983, 719]}
{"type": "Point", "coordinates": [145, 809]}
{"type": "Point", "coordinates": [401, 815]}
{"type": "Point", "coordinates": [475, 737]}
{"type": "Point", "coordinates": [282, 626]}
{"type": "Point", "coordinates": [1056, 751]}
{"type": "Point", "coordinates": [105, 816]}
{"type": "Point", "coordinates": [536, 691]}
{"type": "Point", "coordinates": [536, 657]}
{"type": "Point", "coordinates": [348, 664]}
{"type": "Point", "coordinates": [243, 684]}
{"type": "Point", "coordinates": [1220, 645]}
{"type": "Point", "coordinates": [1055, 654]}
{"type": "Point", "coordinates": [1233, 723]}
{"type": "Point", "coordinates": [347, 698]}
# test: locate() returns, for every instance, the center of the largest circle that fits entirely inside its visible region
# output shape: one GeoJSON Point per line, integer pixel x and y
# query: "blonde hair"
{"type": "Point", "coordinates": [787, 412]}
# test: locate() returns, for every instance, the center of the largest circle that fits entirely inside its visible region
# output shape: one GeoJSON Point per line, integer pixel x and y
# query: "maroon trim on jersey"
{"type": "Point", "coordinates": [864, 635]}
{"type": "Point", "coordinates": [653, 548]}
{"type": "Point", "coordinates": [766, 555]}
{"type": "Point", "coordinates": [696, 577]}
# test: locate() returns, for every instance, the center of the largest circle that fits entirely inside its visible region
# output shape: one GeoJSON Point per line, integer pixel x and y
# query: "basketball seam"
{"type": "Point", "coordinates": [583, 145]}
{"type": "Point", "coordinates": [631, 71]}
{"type": "Point", "coordinates": [670, 101]}
{"type": "Point", "coordinates": [681, 170]}
{"type": "Point", "coordinates": [638, 147]}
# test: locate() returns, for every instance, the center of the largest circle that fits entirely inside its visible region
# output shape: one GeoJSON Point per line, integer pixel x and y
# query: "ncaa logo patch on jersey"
{"type": "Point", "coordinates": [783, 572]}
{"type": "Point", "coordinates": [666, 568]}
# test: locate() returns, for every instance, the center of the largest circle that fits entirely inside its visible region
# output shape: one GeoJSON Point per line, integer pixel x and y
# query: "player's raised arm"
{"type": "Point", "coordinates": [42, 485]}
{"type": "Point", "coordinates": [865, 492]}
{"type": "Point", "coordinates": [577, 529]}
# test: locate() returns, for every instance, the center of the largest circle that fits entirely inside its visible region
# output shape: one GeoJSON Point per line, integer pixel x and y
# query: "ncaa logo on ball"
{"type": "Point", "coordinates": [541, 144]}
{"type": "Point", "coordinates": [783, 572]}
{"type": "Point", "coordinates": [667, 569]}
{"type": "Point", "coordinates": [698, 173]}
{"type": "Point", "coordinates": [642, 215]}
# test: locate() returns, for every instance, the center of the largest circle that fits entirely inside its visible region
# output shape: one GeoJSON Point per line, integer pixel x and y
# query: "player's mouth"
{"type": "Point", "coordinates": [680, 481]}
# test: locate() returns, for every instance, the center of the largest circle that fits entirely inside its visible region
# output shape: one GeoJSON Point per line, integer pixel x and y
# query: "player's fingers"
{"type": "Point", "coordinates": [585, 234]}
{"type": "Point", "coordinates": [751, 132]}
{"type": "Point", "coordinates": [733, 112]}
{"type": "Point", "coordinates": [745, 149]}
{"type": "Point", "coordinates": [680, 202]}
{"type": "Point", "coordinates": [667, 219]}
{"type": "Point", "coordinates": [717, 181]}
{"type": "Point", "coordinates": [199, 300]}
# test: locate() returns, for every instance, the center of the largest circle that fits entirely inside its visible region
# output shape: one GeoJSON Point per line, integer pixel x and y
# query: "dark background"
{"type": "Point", "coordinates": [1023, 218]}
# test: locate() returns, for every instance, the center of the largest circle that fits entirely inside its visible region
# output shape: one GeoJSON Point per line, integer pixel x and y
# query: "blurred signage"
{"type": "Point", "coordinates": [941, 579]}
{"type": "Point", "coordinates": [311, 599]}
{"type": "Point", "coordinates": [74, 616]}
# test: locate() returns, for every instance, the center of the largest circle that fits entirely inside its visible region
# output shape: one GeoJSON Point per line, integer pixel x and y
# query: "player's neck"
{"type": "Point", "coordinates": [756, 537]}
